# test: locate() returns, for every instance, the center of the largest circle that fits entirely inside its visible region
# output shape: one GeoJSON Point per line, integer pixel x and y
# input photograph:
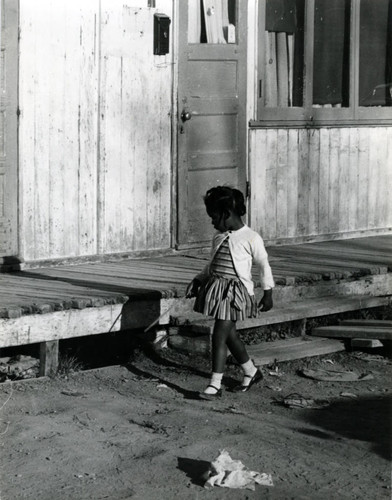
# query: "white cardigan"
{"type": "Point", "coordinates": [246, 247]}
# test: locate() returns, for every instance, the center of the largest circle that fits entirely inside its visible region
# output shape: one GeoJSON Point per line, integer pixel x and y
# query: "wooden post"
{"type": "Point", "coordinates": [303, 327]}
{"type": "Point", "coordinates": [49, 358]}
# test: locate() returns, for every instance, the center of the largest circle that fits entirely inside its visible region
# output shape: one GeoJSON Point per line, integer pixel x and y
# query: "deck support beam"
{"type": "Point", "coordinates": [49, 358]}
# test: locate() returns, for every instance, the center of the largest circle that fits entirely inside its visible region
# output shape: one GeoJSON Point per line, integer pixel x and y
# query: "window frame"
{"type": "Point", "coordinates": [307, 115]}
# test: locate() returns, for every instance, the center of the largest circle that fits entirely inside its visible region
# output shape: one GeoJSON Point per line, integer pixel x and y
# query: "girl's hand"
{"type": "Point", "coordinates": [192, 289]}
{"type": "Point", "coordinates": [266, 302]}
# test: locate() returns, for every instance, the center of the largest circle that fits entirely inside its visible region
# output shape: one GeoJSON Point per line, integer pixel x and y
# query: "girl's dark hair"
{"type": "Point", "coordinates": [225, 199]}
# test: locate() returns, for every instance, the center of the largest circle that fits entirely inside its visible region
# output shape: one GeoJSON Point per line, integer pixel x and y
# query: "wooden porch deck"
{"type": "Point", "coordinates": [51, 303]}
{"type": "Point", "coordinates": [49, 289]}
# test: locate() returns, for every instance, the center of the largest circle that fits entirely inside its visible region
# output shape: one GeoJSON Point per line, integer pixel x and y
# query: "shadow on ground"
{"type": "Point", "coordinates": [187, 394]}
{"type": "Point", "coordinates": [365, 419]}
{"type": "Point", "coordinates": [196, 470]}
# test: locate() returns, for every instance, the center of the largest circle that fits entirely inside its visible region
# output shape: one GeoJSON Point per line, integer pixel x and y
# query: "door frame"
{"type": "Point", "coordinates": [174, 126]}
{"type": "Point", "coordinates": [249, 15]}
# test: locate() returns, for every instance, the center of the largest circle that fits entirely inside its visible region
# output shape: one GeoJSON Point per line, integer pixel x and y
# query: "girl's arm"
{"type": "Point", "coordinates": [266, 303]}
{"type": "Point", "coordinates": [260, 258]}
{"type": "Point", "coordinates": [196, 283]}
{"type": "Point", "coordinates": [202, 277]}
{"type": "Point", "coordinates": [192, 288]}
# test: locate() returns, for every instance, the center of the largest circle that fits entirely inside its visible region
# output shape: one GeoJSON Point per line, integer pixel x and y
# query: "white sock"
{"type": "Point", "coordinates": [249, 370]}
{"type": "Point", "coordinates": [216, 381]}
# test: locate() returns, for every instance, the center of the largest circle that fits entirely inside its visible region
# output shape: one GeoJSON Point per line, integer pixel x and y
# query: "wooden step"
{"type": "Point", "coordinates": [366, 322]}
{"type": "Point", "coordinates": [351, 332]}
{"type": "Point", "coordinates": [265, 352]}
{"type": "Point", "coordinates": [289, 349]}
{"type": "Point", "coordinates": [365, 343]}
{"type": "Point", "coordinates": [309, 308]}
{"type": "Point", "coordinates": [368, 343]}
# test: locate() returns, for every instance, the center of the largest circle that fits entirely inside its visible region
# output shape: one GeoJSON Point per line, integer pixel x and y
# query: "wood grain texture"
{"type": "Point", "coordinates": [8, 128]}
{"type": "Point", "coordinates": [95, 129]}
{"type": "Point", "coordinates": [296, 310]}
{"type": "Point", "coordinates": [40, 305]}
{"type": "Point", "coordinates": [63, 324]}
{"type": "Point", "coordinates": [289, 349]}
{"type": "Point", "coordinates": [59, 288]}
{"type": "Point", "coordinates": [320, 182]}
{"type": "Point", "coordinates": [348, 331]}
{"type": "Point", "coordinates": [49, 358]}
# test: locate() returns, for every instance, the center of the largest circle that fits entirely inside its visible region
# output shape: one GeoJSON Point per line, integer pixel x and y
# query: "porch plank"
{"type": "Point", "coordinates": [266, 353]}
{"type": "Point", "coordinates": [367, 322]}
{"type": "Point", "coordinates": [350, 332]}
{"type": "Point", "coordinates": [341, 258]}
{"type": "Point", "coordinates": [310, 308]}
{"type": "Point", "coordinates": [36, 328]}
{"type": "Point", "coordinates": [98, 285]}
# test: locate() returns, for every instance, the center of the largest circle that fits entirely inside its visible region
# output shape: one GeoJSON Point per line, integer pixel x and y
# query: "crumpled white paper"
{"type": "Point", "coordinates": [229, 473]}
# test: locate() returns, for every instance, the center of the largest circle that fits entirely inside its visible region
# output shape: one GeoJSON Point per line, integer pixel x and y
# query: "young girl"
{"type": "Point", "coordinates": [225, 290]}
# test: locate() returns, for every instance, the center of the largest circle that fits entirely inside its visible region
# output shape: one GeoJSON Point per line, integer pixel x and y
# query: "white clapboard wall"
{"type": "Point", "coordinates": [8, 128]}
{"type": "Point", "coordinates": [320, 182]}
{"type": "Point", "coordinates": [95, 128]}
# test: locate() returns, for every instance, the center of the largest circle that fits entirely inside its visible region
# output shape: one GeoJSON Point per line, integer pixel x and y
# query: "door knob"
{"type": "Point", "coordinates": [186, 115]}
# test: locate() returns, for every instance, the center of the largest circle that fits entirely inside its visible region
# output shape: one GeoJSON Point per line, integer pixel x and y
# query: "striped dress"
{"type": "Point", "coordinates": [224, 296]}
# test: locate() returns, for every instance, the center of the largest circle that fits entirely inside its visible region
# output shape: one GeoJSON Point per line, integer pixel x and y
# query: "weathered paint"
{"type": "Point", "coordinates": [95, 139]}
{"type": "Point", "coordinates": [37, 328]}
{"type": "Point", "coordinates": [95, 157]}
{"type": "Point", "coordinates": [326, 182]}
{"type": "Point", "coordinates": [8, 129]}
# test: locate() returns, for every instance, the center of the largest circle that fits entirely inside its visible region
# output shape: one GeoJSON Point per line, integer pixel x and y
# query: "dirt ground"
{"type": "Point", "coordinates": [140, 431]}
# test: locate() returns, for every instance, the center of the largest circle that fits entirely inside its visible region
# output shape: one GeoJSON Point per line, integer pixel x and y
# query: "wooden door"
{"type": "Point", "coordinates": [211, 109]}
{"type": "Point", "coordinates": [8, 130]}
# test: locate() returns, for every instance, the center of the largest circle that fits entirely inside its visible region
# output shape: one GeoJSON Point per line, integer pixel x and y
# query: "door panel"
{"type": "Point", "coordinates": [212, 135]}
{"type": "Point", "coordinates": [222, 72]}
{"type": "Point", "coordinates": [8, 128]}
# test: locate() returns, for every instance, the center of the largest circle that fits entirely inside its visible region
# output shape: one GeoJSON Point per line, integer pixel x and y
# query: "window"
{"type": "Point", "coordinates": [325, 61]}
{"type": "Point", "coordinates": [212, 21]}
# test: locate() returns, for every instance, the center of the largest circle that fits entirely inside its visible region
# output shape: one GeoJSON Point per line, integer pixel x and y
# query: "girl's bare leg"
{"type": "Point", "coordinates": [237, 347]}
{"type": "Point", "coordinates": [222, 331]}
{"type": "Point", "coordinates": [238, 350]}
{"type": "Point", "coordinates": [225, 336]}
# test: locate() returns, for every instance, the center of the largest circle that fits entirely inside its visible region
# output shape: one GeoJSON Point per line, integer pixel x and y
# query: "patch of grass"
{"type": "Point", "coordinates": [68, 364]}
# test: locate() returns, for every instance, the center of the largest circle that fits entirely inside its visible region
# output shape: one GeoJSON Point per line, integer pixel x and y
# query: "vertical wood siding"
{"type": "Point", "coordinates": [320, 182]}
{"type": "Point", "coordinates": [8, 127]}
{"type": "Point", "coordinates": [94, 129]}
{"type": "Point", "coordinates": [135, 105]}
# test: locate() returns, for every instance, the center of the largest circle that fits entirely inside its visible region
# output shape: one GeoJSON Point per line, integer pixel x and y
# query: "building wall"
{"type": "Point", "coordinates": [95, 129]}
{"type": "Point", "coordinates": [320, 183]}
{"type": "Point", "coordinates": [8, 125]}
{"type": "Point", "coordinates": [95, 158]}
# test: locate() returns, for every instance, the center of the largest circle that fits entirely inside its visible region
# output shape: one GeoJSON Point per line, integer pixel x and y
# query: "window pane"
{"type": "Point", "coordinates": [211, 21]}
{"type": "Point", "coordinates": [375, 53]}
{"type": "Point", "coordinates": [331, 53]}
{"type": "Point", "coordinates": [283, 82]}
